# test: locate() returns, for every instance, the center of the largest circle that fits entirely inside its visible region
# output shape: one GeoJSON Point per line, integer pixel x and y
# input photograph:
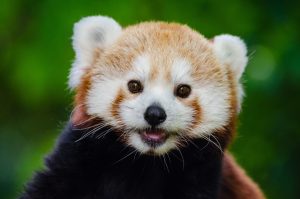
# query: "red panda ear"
{"type": "Point", "coordinates": [89, 34]}
{"type": "Point", "coordinates": [232, 51]}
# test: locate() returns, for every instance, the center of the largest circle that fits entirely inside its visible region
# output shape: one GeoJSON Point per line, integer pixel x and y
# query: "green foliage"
{"type": "Point", "coordinates": [36, 55]}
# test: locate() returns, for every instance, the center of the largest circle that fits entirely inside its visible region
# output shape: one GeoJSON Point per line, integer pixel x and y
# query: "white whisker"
{"type": "Point", "coordinates": [124, 157]}
{"type": "Point", "coordinates": [165, 162]}
{"type": "Point", "coordinates": [178, 149]}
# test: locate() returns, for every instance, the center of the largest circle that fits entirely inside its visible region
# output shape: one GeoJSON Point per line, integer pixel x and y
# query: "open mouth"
{"type": "Point", "coordinates": [154, 137]}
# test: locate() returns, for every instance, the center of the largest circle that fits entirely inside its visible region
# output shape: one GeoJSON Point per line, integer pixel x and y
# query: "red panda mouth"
{"type": "Point", "coordinates": [154, 137]}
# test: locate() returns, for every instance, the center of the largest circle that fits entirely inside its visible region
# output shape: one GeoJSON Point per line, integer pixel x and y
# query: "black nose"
{"type": "Point", "coordinates": [155, 115]}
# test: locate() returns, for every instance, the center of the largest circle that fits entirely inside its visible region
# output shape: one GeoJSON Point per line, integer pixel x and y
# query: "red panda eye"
{"type": "Point", "coordinates": [135, 86]}
{"type": "Point", "coordinates": [183, 91]}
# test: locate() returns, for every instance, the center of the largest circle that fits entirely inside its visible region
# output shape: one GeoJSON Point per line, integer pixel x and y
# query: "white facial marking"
{"type": "Point", "coordinates": [181, 71]}
{"type": "Point", "coordinates": [141, 68]}
{"type": "Point", "coordinates": [214, 102]}
{"type": "Point", "coordinates": [101, 95]}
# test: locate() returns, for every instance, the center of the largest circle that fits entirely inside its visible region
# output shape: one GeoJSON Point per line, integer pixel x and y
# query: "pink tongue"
{"type": "Point", "coordinates": [154, 135]}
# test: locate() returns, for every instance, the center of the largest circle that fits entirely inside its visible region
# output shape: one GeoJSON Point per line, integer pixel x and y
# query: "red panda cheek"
{"type": "Point", "coordinates": [115, 111]}
{"type": "Point", "coordinates": [79, 115]}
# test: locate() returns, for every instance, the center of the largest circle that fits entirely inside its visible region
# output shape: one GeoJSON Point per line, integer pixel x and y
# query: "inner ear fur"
{"type": "Point", "coordinates": [90, 34]}
{"type": "Point", "coordinates": [231, 51]}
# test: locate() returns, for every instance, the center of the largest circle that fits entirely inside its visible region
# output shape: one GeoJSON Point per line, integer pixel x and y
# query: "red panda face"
{"type": "Point", "coordinates": [159, 85]}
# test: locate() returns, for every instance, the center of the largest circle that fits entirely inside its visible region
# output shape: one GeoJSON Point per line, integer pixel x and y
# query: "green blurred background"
{"type": "Point", "coordinates": [36, 54]}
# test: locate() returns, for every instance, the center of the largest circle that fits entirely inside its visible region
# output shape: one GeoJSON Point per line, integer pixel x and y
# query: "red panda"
{"type": "Point", "coordinates": [155, 108]}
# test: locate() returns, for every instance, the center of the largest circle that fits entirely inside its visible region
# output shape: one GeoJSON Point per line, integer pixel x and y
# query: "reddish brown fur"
{"type": "Point", "coordinates": [115, 112]}
{"type": "Point", "coordinates": [233, 101]}
{"type": "Point", "coordinates": [197, 113]}
{"type": "Point", "coordinates": [80, 115]}
{"type": "Point", "coordinates": [115, 106]}
{"type": "Point", "coordinates": [154, 72]}
{"type": "Point", "coordinates": [236, 184]}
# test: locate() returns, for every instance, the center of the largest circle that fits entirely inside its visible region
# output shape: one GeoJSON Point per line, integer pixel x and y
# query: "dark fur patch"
{"type": "Point", "coordinates": [94, 168]}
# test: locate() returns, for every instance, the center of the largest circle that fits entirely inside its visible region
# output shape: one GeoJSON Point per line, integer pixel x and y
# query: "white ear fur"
{"type": "Point", "coordinates": [231, 51]}
{"type": "Point", "coordinates": [90, 33]}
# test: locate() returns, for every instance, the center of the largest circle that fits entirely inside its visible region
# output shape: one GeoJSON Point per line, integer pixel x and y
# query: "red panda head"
{"type": "Point", "coordinates": [158, 84]}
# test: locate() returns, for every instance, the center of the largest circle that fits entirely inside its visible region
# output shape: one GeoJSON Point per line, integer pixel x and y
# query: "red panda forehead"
{"type": "Point", "coordinates": [163, 43]}
{"type": "Point", "coordinates": [158, 37]}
